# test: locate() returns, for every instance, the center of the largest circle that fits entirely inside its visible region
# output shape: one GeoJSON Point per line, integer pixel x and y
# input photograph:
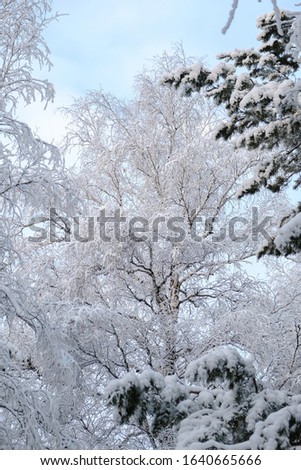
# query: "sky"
{"type": "Point", "coordinates": [106, 43]}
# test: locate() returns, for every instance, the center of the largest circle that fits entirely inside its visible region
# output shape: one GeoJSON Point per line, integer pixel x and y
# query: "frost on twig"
{"type": "Point", "coordinates": [231, 16]}
{"type": "Point", "coordinates": [235, 6]}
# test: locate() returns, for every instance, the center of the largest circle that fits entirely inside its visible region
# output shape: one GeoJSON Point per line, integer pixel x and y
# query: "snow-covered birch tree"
{"type": "Point", "coordinates": [35, 364]}
{"type": "Point", "coordinates": [153, 160]}
{"type": "Point", "coordinates": [159, 273]}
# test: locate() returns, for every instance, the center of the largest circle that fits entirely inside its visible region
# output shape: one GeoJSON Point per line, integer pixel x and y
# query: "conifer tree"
{"type": "Point", "coordinates": [260, 90]}
{"type": "Point", "coordinates": [219, 404]}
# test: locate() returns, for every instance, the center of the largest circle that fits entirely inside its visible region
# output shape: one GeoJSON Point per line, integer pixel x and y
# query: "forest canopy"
{"type": "Point", "coordinates": [130, 315]}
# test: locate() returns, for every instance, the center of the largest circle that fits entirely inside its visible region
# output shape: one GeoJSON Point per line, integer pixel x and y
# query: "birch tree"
{"type": "Point", "coordinates": [153, 285]}
{"type": "Point", "coordinates": [154, 158]}
{"type": "Point", "coordinates": [34, 359]}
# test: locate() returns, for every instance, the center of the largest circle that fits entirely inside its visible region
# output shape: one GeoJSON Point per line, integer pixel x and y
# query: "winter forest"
{"type": "Point", "coordinates": [130, 314]}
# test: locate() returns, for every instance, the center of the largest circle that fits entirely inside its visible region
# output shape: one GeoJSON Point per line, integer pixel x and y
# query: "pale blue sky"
{"type": "Point", "coordinates": [106, 42]}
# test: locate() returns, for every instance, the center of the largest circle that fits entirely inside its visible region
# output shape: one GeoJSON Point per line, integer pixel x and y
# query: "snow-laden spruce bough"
{"type": "Point", "coordinates": [260, 90]}
{"type": "Point", "coordinates": [219, 404]}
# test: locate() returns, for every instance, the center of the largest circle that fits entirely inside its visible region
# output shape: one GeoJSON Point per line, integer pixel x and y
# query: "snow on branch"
{"type": "Point", "coordinates": [231, 16]}
{"type": "Point", "coordinates": [235, 6]}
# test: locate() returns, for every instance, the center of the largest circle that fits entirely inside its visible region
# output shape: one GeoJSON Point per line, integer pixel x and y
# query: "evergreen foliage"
{"type": "Point", "coordinates": [219, 404]}
{"type": "Point", "coordinates": [259, 88]}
